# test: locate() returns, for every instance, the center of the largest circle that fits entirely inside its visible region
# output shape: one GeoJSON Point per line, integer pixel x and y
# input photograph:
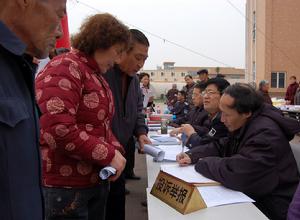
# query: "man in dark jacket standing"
{"type": "Point", "coordinates": [172, 96]}
{"type": "Point", "coordinates": [188, 88]}
{"type": "Point", "coordinates": [291, 91]}
{"type": "Point", "coordinates": [27, 29]}
{"type": "Point", "coordinates": [256, 158]}
{"type": "Point", "coordinates": [263, 90]}
{"type": "Point", "coordinates": [129, 120]}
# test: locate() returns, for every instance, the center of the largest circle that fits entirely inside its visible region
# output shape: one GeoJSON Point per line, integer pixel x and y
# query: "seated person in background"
{"type": "Point", "coordinates": [172, 96]}
{"type": "Point", "coordinates": [196, 117]}
{"type": "Point", "coordinates": [214, 88]}
{"type": "Point", "coordinates": [263, 90]}
{"type": "Point", "coordinates": [256, 158]}
{"type": "Point", "coordinates": [181, 107]}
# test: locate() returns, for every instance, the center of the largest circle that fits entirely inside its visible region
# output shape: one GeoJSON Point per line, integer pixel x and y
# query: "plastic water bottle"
{"type": "Point", "coordinates": [158, 110]}
{"type": "Point", "coordinates": [164, 126]}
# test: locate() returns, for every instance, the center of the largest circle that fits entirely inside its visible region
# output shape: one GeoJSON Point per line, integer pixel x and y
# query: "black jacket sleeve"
{"type": "Point", "coordinates": [252, 170]}
{"type": "Point", "coordinates": [140, 126]}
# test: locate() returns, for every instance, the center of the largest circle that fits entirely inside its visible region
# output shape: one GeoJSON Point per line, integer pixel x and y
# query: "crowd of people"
{"type": "Point", "coordinates": [84, 110]}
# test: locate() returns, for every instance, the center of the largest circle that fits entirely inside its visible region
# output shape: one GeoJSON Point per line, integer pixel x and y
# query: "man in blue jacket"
{"type": "Point", "coordinates": [27, 29]}
{"type": "Point", "coordinates": [129, 119]}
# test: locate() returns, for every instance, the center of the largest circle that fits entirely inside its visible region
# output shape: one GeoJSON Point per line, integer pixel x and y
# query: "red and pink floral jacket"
{"type": "Point", "coordinates": [77, 108]}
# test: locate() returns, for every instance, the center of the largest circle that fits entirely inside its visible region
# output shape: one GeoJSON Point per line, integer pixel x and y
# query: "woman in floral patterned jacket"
{"type": "Point", "coordinates": [77, 109]}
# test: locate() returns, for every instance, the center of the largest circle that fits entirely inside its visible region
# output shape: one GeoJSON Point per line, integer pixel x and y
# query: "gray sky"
{"type": "Point", "coordinates": [210, 27]}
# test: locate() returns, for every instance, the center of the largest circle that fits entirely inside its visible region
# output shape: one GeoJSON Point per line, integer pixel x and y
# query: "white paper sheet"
{"type": "Point", "coordinates": [171, 151]}
{"type": "Point", "coordinates": [219, 195]}
{"type": "Point", "coordinates": [107, 172]}
{"type": "Point", "coordinates": [186, 173]}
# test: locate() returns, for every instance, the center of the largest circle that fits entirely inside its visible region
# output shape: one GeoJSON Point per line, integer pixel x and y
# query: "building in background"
{"type": "Point", "coordinates": [163, 77]}
{"type": "Point", "coordinates": [272, 42]}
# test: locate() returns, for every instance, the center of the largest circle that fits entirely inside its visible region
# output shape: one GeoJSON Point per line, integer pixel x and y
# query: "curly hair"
{"type": "Point", "coordinates": [101, 31]}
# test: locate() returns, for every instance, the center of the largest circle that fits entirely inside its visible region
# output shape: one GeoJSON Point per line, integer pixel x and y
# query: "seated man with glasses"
{"type": "Point", "coordinates": [212, 93]}
{"type": "Point", "coordinates": [256, 158]}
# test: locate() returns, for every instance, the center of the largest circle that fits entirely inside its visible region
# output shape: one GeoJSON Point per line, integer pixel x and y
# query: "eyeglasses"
{"type": "Point", "coordinates": [209, 93]}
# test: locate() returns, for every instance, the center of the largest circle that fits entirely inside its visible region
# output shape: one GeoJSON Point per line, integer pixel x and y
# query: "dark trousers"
{"type": "Point", "coordinates": [115, 209]}
{"type": "Point", "coordinates": [130, 156]}
{"type": "Point", "coordinates": [79, 204]}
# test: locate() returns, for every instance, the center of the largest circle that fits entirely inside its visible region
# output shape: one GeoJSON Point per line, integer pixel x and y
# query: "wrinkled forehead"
{"type": "Point", "coordinates": [211, 87]}
{"type": "Point", "coordinates": [226, 102]}
{"type": "Point", "coordinates": [57, 5]}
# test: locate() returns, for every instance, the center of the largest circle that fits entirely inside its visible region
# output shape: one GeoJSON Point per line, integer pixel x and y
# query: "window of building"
{"type": "Point", "coordinates": [278, 79]}
{"type": "Point", "coordinates": [254, 27]}
{"type": "Point", "coordinates": [152, 74]}
{"type": "Point", "coordinates": [175, 79]}
{"type": "Point", "coordinates": [162, 74]}
{"type": "Point", "coordinates": [183, 74]}
{"type": "Point", "coordinates": [172, 74]}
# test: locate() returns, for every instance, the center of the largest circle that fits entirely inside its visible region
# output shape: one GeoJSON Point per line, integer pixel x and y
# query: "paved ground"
{"type": "Point", "coordinates": [134, 209]}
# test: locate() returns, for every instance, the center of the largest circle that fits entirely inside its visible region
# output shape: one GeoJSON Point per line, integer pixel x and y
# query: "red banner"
{"type": "Point", "coordinates": [64, 41]}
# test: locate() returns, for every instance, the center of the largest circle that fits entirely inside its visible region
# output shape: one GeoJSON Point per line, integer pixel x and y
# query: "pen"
{"type": "Point", "coordinates": [183, 140]}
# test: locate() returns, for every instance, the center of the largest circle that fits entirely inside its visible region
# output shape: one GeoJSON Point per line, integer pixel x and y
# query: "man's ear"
{"type": "Point", "coordinates": [24, 4]}
{"type": "Point", "coordinates": [248, 114]}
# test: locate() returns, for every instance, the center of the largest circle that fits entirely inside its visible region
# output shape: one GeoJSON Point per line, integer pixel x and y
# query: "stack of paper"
{"type": "Point", "coordinates": [219, 195]}
{"type": "Point", "coordinates": [187, 174]}
{"type": "Point", "coordinates": [158, 127]}
{"type": "Point", "coordinates": [171, 151]}
{"type": "Point", "coordinates": [164, 139]}
{"type": "Point", "coordinates": [164, 152]}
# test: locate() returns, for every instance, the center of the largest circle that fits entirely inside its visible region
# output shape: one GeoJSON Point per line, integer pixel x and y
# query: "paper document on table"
{"type": "Point", "coordinates": [164, 139]}
{"type": "Point", "coordinates": [154, 125]}
{"type": "Point", "coordinates": [171, 151]}
{"type": "Point", "coordinates": [157, 153]}
{"type": "Point", "coordinates": [157, 128]}
{"type": "Point", "coordinates": [220, 195]}
{"type": "Point", "coordinates": [187, 174]}
{"type": "Point", "coordinates": [107, 172]}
